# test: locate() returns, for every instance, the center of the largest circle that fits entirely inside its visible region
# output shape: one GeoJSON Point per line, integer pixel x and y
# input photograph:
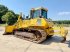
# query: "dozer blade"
{"type": "Point", "coordinates": [7, 33]}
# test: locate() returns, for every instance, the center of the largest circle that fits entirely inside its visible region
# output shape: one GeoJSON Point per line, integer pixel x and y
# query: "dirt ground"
{"type": "Point", "coordinates": [9, 43]}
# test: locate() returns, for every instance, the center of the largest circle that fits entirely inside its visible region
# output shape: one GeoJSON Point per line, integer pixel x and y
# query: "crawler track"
{"type": "Point", "coordinates": [33, 35]}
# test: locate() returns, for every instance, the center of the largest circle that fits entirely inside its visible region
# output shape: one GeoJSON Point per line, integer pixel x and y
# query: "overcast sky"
{"type": "Point", "coordinates": [57, 9]}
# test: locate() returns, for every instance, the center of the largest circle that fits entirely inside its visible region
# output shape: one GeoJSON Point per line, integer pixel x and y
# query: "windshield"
{"type": "Point", "coordinates": [36, 13]}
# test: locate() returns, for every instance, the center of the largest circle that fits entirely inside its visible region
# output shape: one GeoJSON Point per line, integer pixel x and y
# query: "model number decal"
{"type": "Point", "coordinates": [38, 21]}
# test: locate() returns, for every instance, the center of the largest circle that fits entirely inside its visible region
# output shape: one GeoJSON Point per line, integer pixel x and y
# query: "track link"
{"type": "Point", "coordinates": [33, 35]}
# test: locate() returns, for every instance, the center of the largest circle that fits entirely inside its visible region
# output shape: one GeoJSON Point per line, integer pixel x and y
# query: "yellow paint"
{"type": "Point", "coordinates": [9, 29]}
{"type": "Point", "coordinates": [38, 23]}
{"type": "Point", "coordinates": [60, 31]}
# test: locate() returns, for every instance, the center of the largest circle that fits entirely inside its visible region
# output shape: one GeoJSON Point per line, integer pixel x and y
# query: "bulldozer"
{"type": "Point", "coordinates": [35, 28]}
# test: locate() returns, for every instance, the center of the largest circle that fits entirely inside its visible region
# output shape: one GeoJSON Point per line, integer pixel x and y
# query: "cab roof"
{"type": "Point", "coordinates": [39, 8]}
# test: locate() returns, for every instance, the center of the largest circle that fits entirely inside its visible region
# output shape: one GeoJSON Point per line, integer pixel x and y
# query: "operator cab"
{"type": "Point", "coordinates": [38, 13]}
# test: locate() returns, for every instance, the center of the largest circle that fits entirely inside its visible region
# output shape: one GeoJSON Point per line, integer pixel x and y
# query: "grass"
{"type": "Point", "coordinates": [2, 24]}
{"type": "Point", "coordinates": [65, 25]}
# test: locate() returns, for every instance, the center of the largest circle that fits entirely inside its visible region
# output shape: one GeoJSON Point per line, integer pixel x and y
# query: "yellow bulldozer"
{"type": "Point", "coordinates": [35, 28]}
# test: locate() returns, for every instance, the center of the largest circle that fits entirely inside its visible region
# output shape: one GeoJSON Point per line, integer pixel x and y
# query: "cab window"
{"type": "Point", "coordinates": [36, 13]}
{"type": "Point", "coordinates": [44, 13]}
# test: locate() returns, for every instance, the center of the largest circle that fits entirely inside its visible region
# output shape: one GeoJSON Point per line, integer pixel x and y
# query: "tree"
{"type": "Point", "coordinates": [10, 17]}
{"type": "Point", "coordinates": [3, 11]}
